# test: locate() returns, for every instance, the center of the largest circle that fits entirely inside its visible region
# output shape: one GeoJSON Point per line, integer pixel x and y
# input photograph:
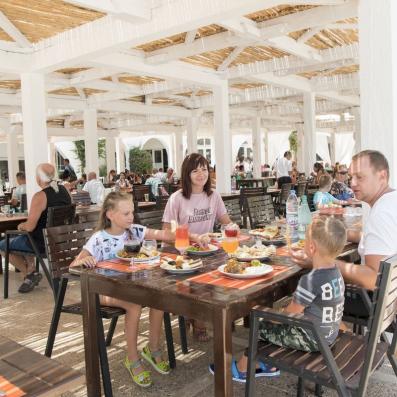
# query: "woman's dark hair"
{"type": "Point", "coordinates": [189, 164]}
{"type": "Point", "coordinates": [318, 167]}
{"type": "Point", "coordinates": [65, 175]}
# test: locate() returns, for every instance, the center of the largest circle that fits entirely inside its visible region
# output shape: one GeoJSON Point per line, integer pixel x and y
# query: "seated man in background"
{"type": "Point", "coordinates": [19, 190]}
{"type": "Point", "coordinates": [95, 189]}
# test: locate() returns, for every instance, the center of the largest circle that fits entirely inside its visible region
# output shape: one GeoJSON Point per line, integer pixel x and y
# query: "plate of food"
{"type": "Point", "coordinates": [244, 270]}
{"type": "Point", "coordinates": [259, 252]}
{"type": "Point", "coordinates": [181, 265]}
{"type": "Point", "coordinates": [269, 235]}
{"type": "Point", "coordinates": [139, 257]}
{"type": "Point", "coordinates": [216, 236]}
{"type": "Point", "coordinates": [196, 250]}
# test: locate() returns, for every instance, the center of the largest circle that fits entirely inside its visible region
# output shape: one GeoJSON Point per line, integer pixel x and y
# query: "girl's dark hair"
{"type": "Point", "coordinates": [189, 164]}
{"type": "Point", "coordinates": [110, 203]}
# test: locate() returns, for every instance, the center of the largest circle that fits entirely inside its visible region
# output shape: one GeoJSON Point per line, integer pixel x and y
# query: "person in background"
{"type": "Point", "coordinates": [68, 167]}
{"type": "Point", "coordinates": [95, 188]}
{"type": "Point", "coordinates": [284, 169]}
{"type": "Point", "coordinates": [112, 177]}
{"type": "Point", "coordinates": [198, 206]}
{"type": "Point", "coordinates": [19, 190]}
{"type": "Point", "coordinates": [318, 171]}
{"type": "Point", "coordinates": [153, 181]}
{"type": "Point", "coordinates": [294, 173]}
{"type": "Point", "coordinates": [266, 170]}
{"type": "Point", "coordinates": [170, 176]}
{"type": "Point", "coordinates": [339, 188]}
{"type": "Point", "coordinates": [65, 178]}
{"type": "Point", "coordinates": [50, 195]}
{"type": "Point", "coordinates": [323, 197]}
{"type": "Point", "coordinates": [240, 162]}
{"type": "Point", "coordinates": [160, 175]}
{"type": "Point", "coordinates": [123, 184]}
{"type": "Point", "coordinates": [319, 296]}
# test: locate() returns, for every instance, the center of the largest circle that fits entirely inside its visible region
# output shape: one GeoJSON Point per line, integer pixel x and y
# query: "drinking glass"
{"type": "Point", "coordinates": [146, 195]}
{"type": "Point", "coordinates": [150, 246]}
{"type": "Point", "coordinates": [182, 238]}
{"type": "Point", "coordinates": [231, 230]}
{"type": "Point", "coordinates": [230, 245]}
{"type": "Point", "coordinates": [133, 245]}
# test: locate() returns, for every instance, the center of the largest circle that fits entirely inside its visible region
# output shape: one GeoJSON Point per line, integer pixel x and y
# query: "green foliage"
{"type": "Point", "coordinates": [140, 161]}
{"type": "Point", "coordinates": [80, 151]}
{"type": "Point", "coordinates": [293, 142]}
{"type": "Point", "coordinates": [103, 170]}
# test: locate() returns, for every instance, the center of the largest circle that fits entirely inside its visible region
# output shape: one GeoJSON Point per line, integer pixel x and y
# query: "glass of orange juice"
{"type": "Point", "coordinates": [230, 245]}
{"type": "Point", "coordinates": [182, 238]}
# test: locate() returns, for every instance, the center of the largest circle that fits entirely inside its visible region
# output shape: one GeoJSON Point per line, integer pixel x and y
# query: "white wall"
{"type": "Point", "coordinates": [3, 151]}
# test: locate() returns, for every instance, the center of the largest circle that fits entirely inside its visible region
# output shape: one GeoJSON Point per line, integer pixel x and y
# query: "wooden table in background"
{"type": "Point", "coordinates": [11, 222]}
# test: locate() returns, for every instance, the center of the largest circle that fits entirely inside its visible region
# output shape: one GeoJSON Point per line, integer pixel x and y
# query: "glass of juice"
{"type": "Point", "coordinates": [231, 230]}
{"type": "Point", "coordinates": [230, 245]}
{"type": "Point", "coordinates": [182, 238]}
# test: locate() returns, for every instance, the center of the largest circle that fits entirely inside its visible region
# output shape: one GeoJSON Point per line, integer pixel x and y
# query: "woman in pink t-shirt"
{"type": "Point", "coordinates": [198, 206]}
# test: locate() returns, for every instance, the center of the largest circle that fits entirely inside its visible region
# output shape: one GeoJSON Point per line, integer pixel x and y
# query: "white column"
{"type": "Point", "coordinates": [178, 147]}
{"type": "Point", "coordinates": [332, 153]}
{"type": "Point", "coordinates": [357, 129]}
{"type": "Point", "coordinates": [110, 154]}
{"type": "Point", "coordinates": [266, 146]}
{"type": "Point", "coordinates": [309, 119]}
{"type": "Point", "coordinates": [192, 125]}
{"type": "Point", "coordinates": [52, 153]}
{"type": "Point", "coordinates": [223, 138]}
{"type": "Point", "coordinates": [91, 141]}
{"type": "Point", "coordinates": [12, 155]}
{"type": "Point", "coordinates": [127, 156]}
{"type": "Point", "coordinates": [300, 155]}
{"type": "Point", "coordinates": [257, 145]}
{"type": "Point", "coordinates": [34, 121]}
{"type": "Point", "coordinates": [378, 79]}
{"type": "Point", "coordinates": [119, 155]}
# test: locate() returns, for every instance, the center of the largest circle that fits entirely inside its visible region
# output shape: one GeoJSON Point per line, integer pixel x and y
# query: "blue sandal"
{"type": "Point", "coordinates": [240, 377]}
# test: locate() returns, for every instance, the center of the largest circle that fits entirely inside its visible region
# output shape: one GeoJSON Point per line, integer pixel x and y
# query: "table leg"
{"type": "Point", "coordinates": [88, 300]}
{"type": "Point", "coordinates": [223, 353]}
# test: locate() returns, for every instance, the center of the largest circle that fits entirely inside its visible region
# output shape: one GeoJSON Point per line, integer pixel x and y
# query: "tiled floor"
{"type": "Point", "coordinates": [26, 319]}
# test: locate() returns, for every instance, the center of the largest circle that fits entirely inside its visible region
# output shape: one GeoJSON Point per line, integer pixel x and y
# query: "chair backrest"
{"type": "Point", "coordinates": [64, 243]}
{"type": "Point", "coordinates": [150, 219]}
{"type": "Point", "coordinates": [139, 191]}
{"type": "Point", "coordinates": [260, 210]}
{"type": "Point", "coordinates": [285, 189]}
{"type": "Point", "coordinates": [310, 201]}
{"type": "Point", "coordinates": [161, 202]}
{"type": "Point", "coordinates": [173, 188]}
{"type": "Point", "coordinates": [81, 198]}
{"type": "Point", "coordinates": [233, 207]}
{"type": "Point", "coordinates": [252, 191]}
{"type": "Point", "coordinates": [3, 200]}
{"type": "Point", "coordinates": [301, 189]}
{"type": "Point", "coordinates": [61, 215]}
{"type": "Point", "coordinates": [383, 313]}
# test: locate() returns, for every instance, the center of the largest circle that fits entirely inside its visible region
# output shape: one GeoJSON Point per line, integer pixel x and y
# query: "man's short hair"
{"type": "Point", "coordinates": [324, 181]}
{"type": "Point", "coordinates": [377, 160]}
{"type": "Point", "coordinates": [287, 153]}
{"type": "Point", "coordinates": [67, 160]}
{"type": "Point", "coordinates": [20, 175]}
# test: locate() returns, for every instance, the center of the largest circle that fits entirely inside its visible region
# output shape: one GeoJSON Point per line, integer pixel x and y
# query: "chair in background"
{"type": "Point", "coordinates": [233, 207]}
{"type": "Point", "coordinates": [172, 188]}
{"type": "Point", "coordinates": [24, 202]}
{"type": "Point", "coordinates": [139, 191]}
{"type": "Point", "coordinates": [301, 189]}
{"type": "Point", "coordinates": [56, 216]}
{"type": "Point", "coordinates": [347, 364]}
{"type": "Point", "coordinates": [260, 210]}
{"type": "Point", "coordinates": [151, 219]}
{"type": "Point", "coordinates": [161, 201]}
{"type": "Point", "coordinates": [249, 192]}
{"type": "Point", "coordinates": [310, 202]}
{"type": "Point", "coordinates": [81, 198]}
{"type": "Point", "coordinates": [282, 198]}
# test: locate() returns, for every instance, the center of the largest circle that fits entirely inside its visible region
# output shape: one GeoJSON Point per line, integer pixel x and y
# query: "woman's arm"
{"type": "Point", "coordinates": [38, 205]}
{"type": "Point", "coordinates": [169, 236]}
{"type": "Point", "coordinates": [225, 219]}
{"type": "Point", "coordinates": [84, 258]}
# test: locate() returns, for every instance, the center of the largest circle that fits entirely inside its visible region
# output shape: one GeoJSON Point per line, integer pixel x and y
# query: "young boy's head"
{"type": "Point", "coordinates": [326, 235]}
{"type": "Point", "coordinates": [325, 182]}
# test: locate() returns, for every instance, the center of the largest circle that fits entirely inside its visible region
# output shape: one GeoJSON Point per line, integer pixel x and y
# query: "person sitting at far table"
{"type": "Point", "coordinates": [19, 190]}
{"type": "Point", "coordinates": [323, 198]}
{"type": "Point", "coordinates": [95, 189]}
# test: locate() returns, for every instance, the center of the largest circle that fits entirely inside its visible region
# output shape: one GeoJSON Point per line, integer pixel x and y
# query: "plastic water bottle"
{"type": "Point", "coordinates": [292, 215]}
{"type": "Point", "coordinates": [234, 183]}
{"type": "Point", "coordinates": [304, 218]}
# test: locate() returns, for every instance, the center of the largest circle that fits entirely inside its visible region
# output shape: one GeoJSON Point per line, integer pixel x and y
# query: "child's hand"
{"type": "Point", "coordinates": [202, 240]}
{"type": "Point", "coordinates": [88, 262]}
{"type": "Point", "coordinates": [301, 259]}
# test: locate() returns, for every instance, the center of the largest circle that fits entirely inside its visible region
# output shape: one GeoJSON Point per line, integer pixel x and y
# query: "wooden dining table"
{"type": "Point", "coordinates": [11, 222]}
{"type": "Point", "coordinates": [206, 296]}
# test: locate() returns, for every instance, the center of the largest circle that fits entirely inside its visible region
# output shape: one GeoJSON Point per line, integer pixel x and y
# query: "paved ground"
{"type": "Point", "coordinates": [26, 319]}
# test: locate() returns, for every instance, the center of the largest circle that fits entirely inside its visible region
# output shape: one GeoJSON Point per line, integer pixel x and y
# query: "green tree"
{"type": "Point", "coordinates": [293, 142]}
{"type": "Point", "coordinates": [79, 150]}
{"type": "Point", "coordinates": [140, 161]}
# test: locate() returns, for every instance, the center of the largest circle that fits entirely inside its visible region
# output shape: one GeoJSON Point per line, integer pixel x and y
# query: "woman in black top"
{"type": "Point", "coordinates": [51, 195]}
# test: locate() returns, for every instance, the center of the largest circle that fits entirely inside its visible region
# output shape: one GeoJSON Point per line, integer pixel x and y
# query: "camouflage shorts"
{"type": "Point", "coordinates": [285, 335]}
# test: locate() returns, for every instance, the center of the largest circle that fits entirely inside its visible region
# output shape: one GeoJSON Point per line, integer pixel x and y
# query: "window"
{"type": "Point", "coordinates": [158, 158]}
{"type": "Point", "coordinates": [204, 148]}
{"type": "Point", "coordinates": [200, 142]}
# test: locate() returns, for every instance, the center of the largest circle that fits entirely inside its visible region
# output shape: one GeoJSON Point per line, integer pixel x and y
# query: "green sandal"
{"type": "Point", "coordinates": [162, 367]}
{"type": "Point", "coordinates": [142, 379]}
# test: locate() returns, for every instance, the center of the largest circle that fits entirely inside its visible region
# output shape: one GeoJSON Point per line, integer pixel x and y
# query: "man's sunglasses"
{"type": "Point", "coordinates": [342, 172]}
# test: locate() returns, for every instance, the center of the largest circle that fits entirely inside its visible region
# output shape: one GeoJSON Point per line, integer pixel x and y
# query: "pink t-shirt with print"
{"type": "Point", "coordinates": [200, 211]}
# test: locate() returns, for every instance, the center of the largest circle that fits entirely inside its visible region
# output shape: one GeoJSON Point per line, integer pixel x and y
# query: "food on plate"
{"type": "Point", "coordinates": [127, 255]}
{"type": "Point", "coordinates": [180, 263]}
{"type": "Point", "coordinates": [268, 232]}
{"type": "Point", "coordinates": [255, 262]}
{"type": "Point", "coordinates": [234, 266]}
{"type": "Point", "coordinates": [196, 248]}
{"type": "Point", "coordinates": [245, 252]}
{"type": "Point", "coordinates": [215, 235]}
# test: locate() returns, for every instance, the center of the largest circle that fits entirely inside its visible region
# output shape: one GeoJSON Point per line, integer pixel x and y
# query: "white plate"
{"type": "Point", "coordinates": [168, 268]}
{"type": "Point", "coordinates": [140, 260]}
{"type": "Point", "coordinates": [262, 270]}
{"type": "Point", "coordinates": [212, 248]}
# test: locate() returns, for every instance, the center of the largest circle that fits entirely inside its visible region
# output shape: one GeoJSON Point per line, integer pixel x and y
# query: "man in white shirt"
{"type": "Point", "coordinates": [19, 190]}
{"type": "Point", "coordinates": [370, 183]}
{"type": "Point", "coordinates": [95, 188]}
{"type": "Point", "coordinates": [284, 169]}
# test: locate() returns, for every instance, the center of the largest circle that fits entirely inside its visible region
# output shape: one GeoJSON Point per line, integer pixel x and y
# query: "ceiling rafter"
{"type": "Point", "coordinates": [13, 31]}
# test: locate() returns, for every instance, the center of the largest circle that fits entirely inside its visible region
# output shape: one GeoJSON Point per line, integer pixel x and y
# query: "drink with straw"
{"type": "Point", "coordinates": [182, 238]}
{"type": "Point", "coordinates": [230, 245]}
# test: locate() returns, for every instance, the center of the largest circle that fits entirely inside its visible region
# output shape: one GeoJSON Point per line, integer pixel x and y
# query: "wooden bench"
{"type": "Point", "coordinates": [24, 372]}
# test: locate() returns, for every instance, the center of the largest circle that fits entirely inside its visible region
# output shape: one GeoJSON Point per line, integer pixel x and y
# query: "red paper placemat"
{"type": "Point", "coordinates": [217, 278]}
{"type": "Point", "coordinates": [10, 389]}
{"type": "Point", "coordinates": [125, 267]}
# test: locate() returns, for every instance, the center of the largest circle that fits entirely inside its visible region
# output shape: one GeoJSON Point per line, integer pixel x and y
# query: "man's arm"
{"type": "Point", "coordinates": [353, 236]}
{"type": "Point", "coordinates": [38, 205]}
{"type": "Point", "coordinates": [362, 275]}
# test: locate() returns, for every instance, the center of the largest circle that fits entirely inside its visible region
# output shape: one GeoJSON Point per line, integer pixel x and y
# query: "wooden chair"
{"type": "Point", "coordinates": [233, 207]}
{"type": "Point", "coordinates": [81, 198]}
{"type": "Point", "coordinates": [32, 374]}
{"type": "Point", "coordinates": [301, 189]}
{"type": "Point", "coordinates": [249, 192]}
{"type": "Point", "coordinates": [24, 202]}
{"type": "Point", "coordinates": [3, 200]}
{"type": "Point", "coordinates": [172, 188]}
{"type": "Point", "coordinates": [281, 200]}
{"type": "Point", "coordinates": [310, 202]}
{"type": "Point", "coordinates": [161, 202]}
{"type": "Point", "coordinates": [260, 210]}
{"type": "Point", "coordinates": [151, 219]}
{"type": "Point", "coordinates": [139, 191]}
{"type": "Point", "coordinates": [348, 363]}
{"type": "Point", "coordinates": [60, 215]}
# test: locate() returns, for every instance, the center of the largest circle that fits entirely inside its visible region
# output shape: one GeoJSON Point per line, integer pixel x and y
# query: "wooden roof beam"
{"type": "Point", "coordinates": [13, 31]}
{"type": "Point", "coordinates": [230, 58]}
